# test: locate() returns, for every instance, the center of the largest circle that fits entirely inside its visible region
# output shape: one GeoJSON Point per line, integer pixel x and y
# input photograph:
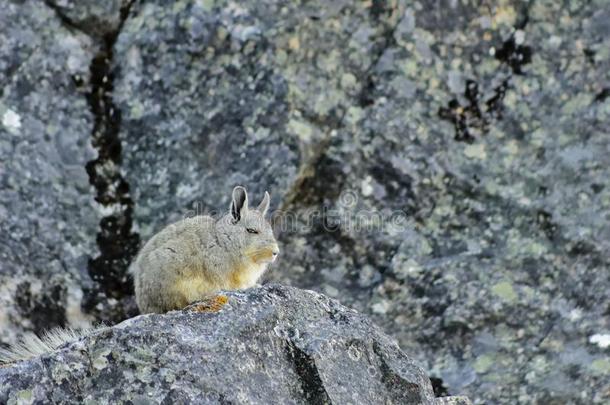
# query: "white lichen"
{"type": "Point", "coordinates": [11, 121]}
{"type": "Point", "coordinates": [600, 339]}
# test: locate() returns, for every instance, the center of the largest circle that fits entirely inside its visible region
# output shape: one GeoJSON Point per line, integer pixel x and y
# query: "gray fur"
{"type": "Point", "coordinates": [33, 346]}
{"type": "Point", "coordinates": [264, 205]}
{"type": "Point", "coordinates": [196, 257]}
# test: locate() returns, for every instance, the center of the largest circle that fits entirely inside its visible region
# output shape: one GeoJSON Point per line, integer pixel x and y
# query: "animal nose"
{"type": "Point", "coordinates": [275, 251]}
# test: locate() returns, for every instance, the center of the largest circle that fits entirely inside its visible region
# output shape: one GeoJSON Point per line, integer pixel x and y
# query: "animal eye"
{"type": "Point", "coordinates": [251, 230]}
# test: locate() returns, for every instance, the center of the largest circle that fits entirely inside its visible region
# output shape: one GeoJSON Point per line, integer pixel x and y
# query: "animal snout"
{"type": "Point", "coordinates": [275, 250]}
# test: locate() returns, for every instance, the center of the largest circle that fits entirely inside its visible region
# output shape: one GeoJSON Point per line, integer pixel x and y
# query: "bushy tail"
{"type": "Point", "coordinates": [33, 346]}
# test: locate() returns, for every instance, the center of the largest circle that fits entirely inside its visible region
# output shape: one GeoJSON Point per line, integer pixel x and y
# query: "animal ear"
{"type": "Point", "coordinates": [239, 203]}
{"type": "Point", "coordinates": [264, 205]}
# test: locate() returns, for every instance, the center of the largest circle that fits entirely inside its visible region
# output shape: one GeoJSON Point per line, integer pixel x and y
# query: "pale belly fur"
{"type": "Point", "coordinates": [198, 287]}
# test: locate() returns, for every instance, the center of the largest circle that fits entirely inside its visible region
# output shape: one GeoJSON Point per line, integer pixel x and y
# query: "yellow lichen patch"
{"type": "Point", "coordinates": [213, 304]}
{"type": "Point", "coordinates": [504, 290]}
{"type": "Point", "coordinates": [483, 363]}
{"type": "Point", "coordinates": [294, 43]}
{"type": "Point", "coordinates": [476, 151]}
{"type": "Point", "coordinates": [505, 15]}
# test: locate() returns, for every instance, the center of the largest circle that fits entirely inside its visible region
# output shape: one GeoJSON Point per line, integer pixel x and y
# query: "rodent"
{"type": "Point", "coordinates": [186, 261]}
{"type": "Point", "coordinates": [193, 258]}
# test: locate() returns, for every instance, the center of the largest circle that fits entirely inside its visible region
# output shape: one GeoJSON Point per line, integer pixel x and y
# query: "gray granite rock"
{"type": "Point", "coordinates": [275, 344]}
{"type": "Point", "coordinates": [499, 158]}
{"type": "Point", "coordinates": [215, 94]}
{"type": "Point", "coordinates": [453, 176]}
{"type": "Point", "coordinates": [97, 18]}
{"type": "Point", "coordinates": [48, 215]}
{"type": "Point", "coordinates": [441, 166]}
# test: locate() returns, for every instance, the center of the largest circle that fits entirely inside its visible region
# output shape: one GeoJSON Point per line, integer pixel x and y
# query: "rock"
{"type": "Point", "coordinates": [98, 19]}
{"type": "Point", "coordinates": [442, 167]}
{"type": "Point", "coordinates": [275, 344]}
{"type": "Point", "coordinates": [482, 212]}
{"type": "Point", "coordinates": [48, 216]}
{"type": "Point", "coordinates": [215, 94]}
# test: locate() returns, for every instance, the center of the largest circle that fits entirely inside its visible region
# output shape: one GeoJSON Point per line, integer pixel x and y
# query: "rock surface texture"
{"type": "Point", "coordinates": [48, 215]}
{"type": "Point", "coordinates": [275, 344]}
{"type": "Point", "coordinates": [441, 166]}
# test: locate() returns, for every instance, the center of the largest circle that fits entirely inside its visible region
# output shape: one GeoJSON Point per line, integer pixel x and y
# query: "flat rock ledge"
{"type": "Point", "coordinates": [273, 344]}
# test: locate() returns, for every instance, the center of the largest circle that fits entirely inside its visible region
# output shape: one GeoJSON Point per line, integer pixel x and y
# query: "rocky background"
{"type": "Point", "coordinates": [469, 137]}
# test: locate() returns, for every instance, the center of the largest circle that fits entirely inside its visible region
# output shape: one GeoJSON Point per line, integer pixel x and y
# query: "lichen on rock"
{"type": "Point", "coordinates": [273, 344]}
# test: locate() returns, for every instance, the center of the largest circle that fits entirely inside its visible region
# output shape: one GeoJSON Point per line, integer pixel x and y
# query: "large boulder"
{"type": "Point", "coordinates": [273, 344]}
{"type": "Point", "coordinates": [441, 166]}
{"type": "Point", "coordinates": [465, 203]}
{"type": "Point", "coordinates": [48, 215]}
{"type": "Point", "coordinates": [219, 93]}
{"type": "Point", "coordinates": [99, 19]}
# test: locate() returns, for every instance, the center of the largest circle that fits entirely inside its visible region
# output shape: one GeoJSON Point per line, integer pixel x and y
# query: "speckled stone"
{"type": "Point", "coordinates": [488, 128]}
{"type": "Point", "coordinates": [275, 344]}
{"type": "Point", "coordinates": [96, 18]}
{"type": "Point", "coordinates": [48, 216]}
{"type": "Point", "coordinates": [219, 93]}
{"type": "Point", "coordinates": [476, 132]}
{"type": "Point", "coordinates": [441, 166]}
